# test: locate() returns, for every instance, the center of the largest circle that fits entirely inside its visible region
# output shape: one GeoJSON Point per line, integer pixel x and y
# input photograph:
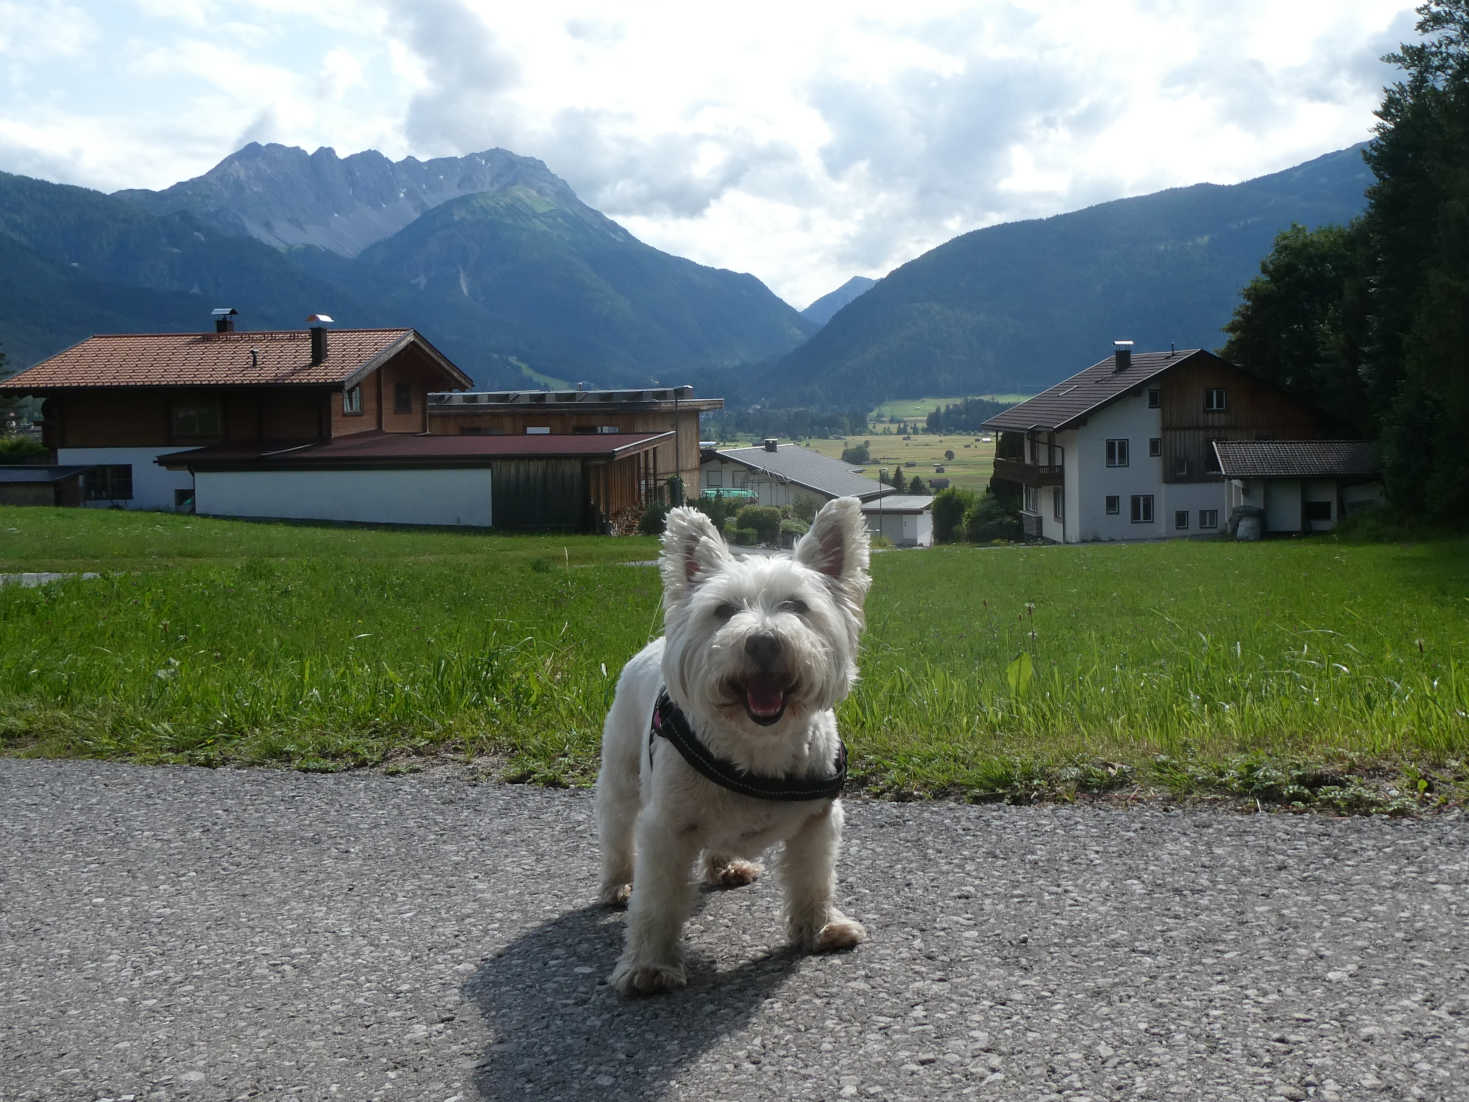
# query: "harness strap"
{"type": "Point", "coordinates": [670, 723]}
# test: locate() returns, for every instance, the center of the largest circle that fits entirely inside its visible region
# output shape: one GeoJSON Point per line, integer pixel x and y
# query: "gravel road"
{"type": "Point", "coordinates": [177, 933]}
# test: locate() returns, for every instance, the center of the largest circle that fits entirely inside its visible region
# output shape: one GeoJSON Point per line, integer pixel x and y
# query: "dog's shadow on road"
{"type": "Point", "coordinates": [559, 1031]}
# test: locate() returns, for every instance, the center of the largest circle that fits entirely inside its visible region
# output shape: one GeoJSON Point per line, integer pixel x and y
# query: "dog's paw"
{"type": "Point", "coordinates": [840, 933]}
{"type": "Point", "coordinates": [646, 979]}
{"type": "Point", "coordinates": [614, 895]}
{"type": "Point", "coordinates": [731, 873]}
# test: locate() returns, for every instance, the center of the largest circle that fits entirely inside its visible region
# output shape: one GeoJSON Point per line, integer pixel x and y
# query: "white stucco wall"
{"type": "Point", "coordinates": [153, 486]}
{"type": "Point", "coordinates": [1092, 481]}
{"type": "Point", "coordinates": [447, 496]}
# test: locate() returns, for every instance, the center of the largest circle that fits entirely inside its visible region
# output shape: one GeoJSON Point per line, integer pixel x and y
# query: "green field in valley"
{"type": "Point", "coordinates": [1314, 673]}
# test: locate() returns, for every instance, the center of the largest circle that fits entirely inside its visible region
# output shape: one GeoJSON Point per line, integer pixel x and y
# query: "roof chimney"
{"type": "Point", "coordinates": [318, 323]}
{"type": "Point", "coordinates": [771, 444]}
{"type": "Point", "coordinates": [224, 318]}
{"type": "Point", "coordinates": [1121, 355]}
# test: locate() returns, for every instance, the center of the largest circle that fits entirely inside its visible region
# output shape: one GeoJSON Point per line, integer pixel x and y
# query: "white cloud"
{"type": "Point", "coordinates": [803, 143]}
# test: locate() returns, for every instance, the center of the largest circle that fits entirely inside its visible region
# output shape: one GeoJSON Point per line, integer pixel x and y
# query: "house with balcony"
{"type": "Point", "coordinates": [1125, 449]}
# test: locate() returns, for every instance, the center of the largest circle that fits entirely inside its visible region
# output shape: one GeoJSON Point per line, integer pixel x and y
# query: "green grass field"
{"type": "Point", "coordinates": [971, 468]}
{"type": "Point", "coordinates": [1312, 673]}
{"type": "Point", "coordinates": [916, 409]}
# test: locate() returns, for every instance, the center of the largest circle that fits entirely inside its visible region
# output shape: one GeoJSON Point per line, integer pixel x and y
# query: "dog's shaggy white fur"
{"type": "Point", "coordinates": [756, 653]}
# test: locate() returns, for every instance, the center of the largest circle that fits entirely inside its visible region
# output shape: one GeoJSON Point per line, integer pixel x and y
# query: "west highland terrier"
{"type": "Point", "coordinates": [721, 740]}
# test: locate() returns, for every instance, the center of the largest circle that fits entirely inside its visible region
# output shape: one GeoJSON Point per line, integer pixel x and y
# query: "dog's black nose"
{"type": "Point", "coordinates": [763, 649]}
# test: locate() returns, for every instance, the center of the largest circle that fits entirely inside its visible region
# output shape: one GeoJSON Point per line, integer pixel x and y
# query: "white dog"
{"type": "Point", "coordinates": [721, 738]}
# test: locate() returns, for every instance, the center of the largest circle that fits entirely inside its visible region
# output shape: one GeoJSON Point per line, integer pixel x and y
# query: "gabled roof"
{"type": "Point", "coordinates": [899, 503]}
{"type": "Point", "coordinates": [1070, 400]}
{"type": "Point", "coordinates": [793, 463]}
{"type": "Point", "coordinates": [389, 449]}
{"type": "Point", "coordinates": [1297, 458]}
{"type": "Point", "coordinates": [281, 358]}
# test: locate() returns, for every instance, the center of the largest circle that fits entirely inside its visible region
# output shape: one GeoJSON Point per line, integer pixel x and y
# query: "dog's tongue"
{"type": "Point", "coordinates": [764, 696]}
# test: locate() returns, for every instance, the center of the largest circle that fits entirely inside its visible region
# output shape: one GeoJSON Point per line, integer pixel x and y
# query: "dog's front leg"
{"type": "Point", "coordinates": [808, 870]}
{"type": "Point", "coordinates": [662, 896]}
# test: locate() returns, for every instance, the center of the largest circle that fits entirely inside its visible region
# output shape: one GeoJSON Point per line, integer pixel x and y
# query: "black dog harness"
{"type": "Point", "coordinates": [670, 723]}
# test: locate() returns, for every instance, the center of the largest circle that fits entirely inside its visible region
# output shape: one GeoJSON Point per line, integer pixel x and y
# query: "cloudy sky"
{"type": "Point", "coordinates": [803, 142]}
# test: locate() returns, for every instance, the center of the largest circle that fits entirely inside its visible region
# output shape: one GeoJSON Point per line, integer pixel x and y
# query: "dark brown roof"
{"type": "Point", "coordinates": [1072, 399]}
{"type": "Point", "coordinates": [386, 449]}
{"type": "Point", "coordinates": [282, 358]}
{"type": "Point", "coordinates": [1297, 458]}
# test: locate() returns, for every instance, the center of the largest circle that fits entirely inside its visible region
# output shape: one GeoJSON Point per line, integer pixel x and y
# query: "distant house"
{"type": "Point", "coordinates": [1300, 485]}
{"type": "Point", "coordinates": [322, 424]}
{"type": "Point", "coordinates": [1126, 449]}
{"type": "Point", "coordinates": [786, 474]}
{"type": "Point", "coordinates": [906, 520]}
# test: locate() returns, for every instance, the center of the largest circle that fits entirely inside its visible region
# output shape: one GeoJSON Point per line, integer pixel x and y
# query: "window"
{"type": "Point", "coordinates": [1180, 519]}
{"type": "Point", "coordinates": [1215, 400]}
{"type": "Point", "coordinates": [538, 430]}
{"type": "Point", "coordinates": [402, 397]}
{"type": "Point", "coordinates": [1208, 518]}
{"type": "Point", "coordinates": [352, 400]}
{"type": "Point", "coordinates": [1032, 499]}
{"type": "Point", "coordinates": [110, 483]}
{"type": "Point", "coordinates": [196, 420]}
{"type": "Point", "coordinates": [183, 501]}
{"type": "Point", "coordinates": [1155, 397]}
{"type": "Point", "coordinates": [1116, 453]}
{"type": "Point", "coordinates": [1155, 447]}
{"type": "Point", "coordinates": [1142, 508]}
{"type": "Point", "coordinates": [713, 477]}
{"type": "Point", "coordinates": [1058, 503]}
{"type": "Point", "coordinates": [1318, 510]}
{"type": "Point", "coordinates": [1114, 505]}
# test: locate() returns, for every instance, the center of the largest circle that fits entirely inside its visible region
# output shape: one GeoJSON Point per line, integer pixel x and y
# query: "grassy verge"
{"type": "Point", "coordinates": [1310, 673]}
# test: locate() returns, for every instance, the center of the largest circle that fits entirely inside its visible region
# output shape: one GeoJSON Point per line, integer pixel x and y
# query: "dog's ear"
{"type": "Point", "coordinates": [692, 550]}
{"type": "Point", "coordinates": [837, 546]}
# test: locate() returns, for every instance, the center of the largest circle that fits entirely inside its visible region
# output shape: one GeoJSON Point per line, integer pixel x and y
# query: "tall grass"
{"type": "Point", "coordinates": [1271, 669]}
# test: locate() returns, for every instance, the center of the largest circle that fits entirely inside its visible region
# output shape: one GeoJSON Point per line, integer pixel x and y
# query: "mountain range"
{"type": "Point", "coordinates": [495, 259]}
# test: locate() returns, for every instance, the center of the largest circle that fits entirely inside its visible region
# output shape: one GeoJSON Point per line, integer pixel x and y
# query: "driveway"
{"type": "Point", "coordinates": [172, 933]}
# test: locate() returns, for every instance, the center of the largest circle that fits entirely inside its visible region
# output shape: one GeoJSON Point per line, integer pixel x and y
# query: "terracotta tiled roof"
{"type": "Point", "coordinates": [380, 449]}
{"type": "Point", "coordinates": [1071, 399]}
{"type": "Point", "coordinates": [1297, 458]}
{"type": "Point", "coordinates": [281, 358]}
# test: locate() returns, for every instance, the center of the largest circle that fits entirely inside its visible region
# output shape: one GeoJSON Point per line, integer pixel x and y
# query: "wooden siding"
{"type": "Point", "coordinates": [539, 495]}
{"type": "Point", "coordinates": [141, 419]}
{"type": "Point", "coordinates": [1254, 411]}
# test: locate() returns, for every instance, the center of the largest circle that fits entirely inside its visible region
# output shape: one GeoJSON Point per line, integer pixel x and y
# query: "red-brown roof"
{"type": "Point", "coordinates": [385, 449]}
{"type": "Point", "coordinates": [281, 358]}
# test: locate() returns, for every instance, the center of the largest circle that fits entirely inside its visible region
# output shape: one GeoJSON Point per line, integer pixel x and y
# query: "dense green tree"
{"type": "Point", "coordinates": [1301, 323]}
{"type": "Point", "coordinates": [1417, 221]}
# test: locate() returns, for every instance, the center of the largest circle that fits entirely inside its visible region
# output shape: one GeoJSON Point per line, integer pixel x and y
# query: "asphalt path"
{"type": "Point", "coordinates": [171, 933]}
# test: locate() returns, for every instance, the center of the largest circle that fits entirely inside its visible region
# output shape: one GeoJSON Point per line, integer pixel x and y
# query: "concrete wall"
{"type": "Point", "coordinates": [153, 487]}
{"type": "Point", "coordinates": [440, 496]}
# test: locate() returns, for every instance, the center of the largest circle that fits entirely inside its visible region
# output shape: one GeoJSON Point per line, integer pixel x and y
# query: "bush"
{"type": "Point", "coordinates": [652, 520]}
{"type": "Point", "coordinates": [949, 507]}
{"type": "Point", "coordinates": [21, 447]}
{"type": "Point", "coordinates": [746, 537]}
{"type": "Point", "coordinates": [764, 519]}
{"type": "Point", "coordinates": [988, 519]}
{"type": "Point", "coordinates": [859, 455]}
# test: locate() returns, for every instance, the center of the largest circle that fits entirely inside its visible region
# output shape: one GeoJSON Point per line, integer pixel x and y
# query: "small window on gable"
{"type": "Point", "coordinates": [1155, 397]}
{"type": "Point", "coordinates": [1215, 400]}
{"type": "Point", "coordinates": [352, 400]}
{"type": "Point", "coordinates": [402, 397]}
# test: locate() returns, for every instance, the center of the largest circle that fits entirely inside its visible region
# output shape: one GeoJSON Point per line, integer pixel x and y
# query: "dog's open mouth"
{"type": "Point", "coordinates": [765, 698]}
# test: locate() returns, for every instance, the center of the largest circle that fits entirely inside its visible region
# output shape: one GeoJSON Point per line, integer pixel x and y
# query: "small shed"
{"type": "Point", "coordinates": [34, 484]}
{"type": "Point", "coordinates": [906, 520]}
{"type": "Point", "coordinates": [1299, 486]}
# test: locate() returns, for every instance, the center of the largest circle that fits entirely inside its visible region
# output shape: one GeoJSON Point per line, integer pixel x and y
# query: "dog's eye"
{"type": "Point", "coordinates": [795, 605]}
{"type": "Point", "coordinates": [725, 612]}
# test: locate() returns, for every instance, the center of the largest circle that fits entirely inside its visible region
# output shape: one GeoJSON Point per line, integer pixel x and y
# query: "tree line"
{"type": "Point", "coordinates": [1369, 322]}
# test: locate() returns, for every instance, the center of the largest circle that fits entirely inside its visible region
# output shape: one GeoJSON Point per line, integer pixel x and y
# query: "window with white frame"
{"type": "Point", "coordinates": [1142, 508]}
{"type": "Point", "coordinates": [1215, 400]}
{"type": "Point", "coordinates": [1116, 453]}
{"type": "Point", "coordinates": [1058, 503]}
{"type": "Point", "coordinates": [1208, 518]}
{"type": "Point", "coordinates": [1180, 519]}
{"type": "Point", "coordinates": [352, 400]}
{"type": "Point", "coordinates": [1032, 499]}
{"type": "Point", "coordinates": [1114, 505]}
